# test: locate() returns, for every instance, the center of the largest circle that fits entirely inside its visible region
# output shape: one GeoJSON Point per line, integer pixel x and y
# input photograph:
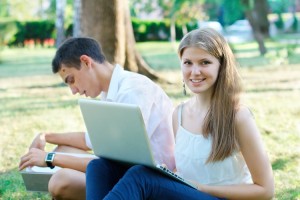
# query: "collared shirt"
{"type": "Point", "coordinates": [156, 107]}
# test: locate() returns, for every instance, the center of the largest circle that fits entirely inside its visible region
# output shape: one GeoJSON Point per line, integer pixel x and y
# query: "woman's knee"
{"type": "Point", "coordinates": [99, 164]}
{"type": "Point", "coordinates": [138, 172]}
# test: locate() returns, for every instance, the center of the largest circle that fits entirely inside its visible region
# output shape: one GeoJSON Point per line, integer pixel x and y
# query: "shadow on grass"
{"type": "Point", "coordinates": [29, 108]}
{"type": "Point", "coordinates": [12, 187]}
{"type": "Point", "coordinates": [57, 85]}
{"type": "Point", "coordinates": [262, 90]}
{"type": "Point", "coordinates": [292, 194]}
{"type": "Point", "coordinates": [280, 163]}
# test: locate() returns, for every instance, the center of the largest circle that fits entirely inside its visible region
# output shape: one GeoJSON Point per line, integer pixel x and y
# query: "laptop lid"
{"type": "Point", "coordinates": [117, 131]}
{"type": "Point", "coordinates": [36, 178]}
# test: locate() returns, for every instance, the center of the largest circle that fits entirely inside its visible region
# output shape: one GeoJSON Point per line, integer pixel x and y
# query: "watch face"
{"type": "Point", "coordinates": [50, 157]}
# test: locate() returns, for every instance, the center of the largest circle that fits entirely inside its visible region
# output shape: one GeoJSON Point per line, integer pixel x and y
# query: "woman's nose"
{"type": "Point", "coordinates": [196, 70]}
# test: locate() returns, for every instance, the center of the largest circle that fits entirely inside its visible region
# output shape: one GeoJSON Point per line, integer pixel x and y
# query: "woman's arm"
{"type": "Point", "coordinates": [256, 158]}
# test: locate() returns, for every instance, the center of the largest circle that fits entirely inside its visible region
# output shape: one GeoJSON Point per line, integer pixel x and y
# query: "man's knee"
{"type": "Point", "coordinates": [60, 183]}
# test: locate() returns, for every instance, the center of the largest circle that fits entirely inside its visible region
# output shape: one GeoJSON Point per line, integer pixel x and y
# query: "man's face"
{"type": "Point", "coordinates": [82, 81]}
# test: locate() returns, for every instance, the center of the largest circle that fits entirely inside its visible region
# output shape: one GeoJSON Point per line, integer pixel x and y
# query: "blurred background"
{"type": "Point", "coordinates": [143, 36]}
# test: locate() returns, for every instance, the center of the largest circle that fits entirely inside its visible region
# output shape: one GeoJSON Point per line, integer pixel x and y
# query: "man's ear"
{"type": "Point", "coordinates": [86, 60]}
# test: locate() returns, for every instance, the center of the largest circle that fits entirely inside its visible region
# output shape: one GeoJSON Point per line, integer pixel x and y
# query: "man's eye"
{"type": "Point", "coordinates": [72, 80]}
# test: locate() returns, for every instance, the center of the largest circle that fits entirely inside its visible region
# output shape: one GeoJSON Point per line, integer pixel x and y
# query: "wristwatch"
{"type": "Point", "coordinates": [49, 159]}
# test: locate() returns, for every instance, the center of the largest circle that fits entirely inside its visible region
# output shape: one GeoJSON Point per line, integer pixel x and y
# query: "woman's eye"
{"type": "Point", "coordinates": [205, 62]}
{"type": "Point", "coordinates": [187, 62]}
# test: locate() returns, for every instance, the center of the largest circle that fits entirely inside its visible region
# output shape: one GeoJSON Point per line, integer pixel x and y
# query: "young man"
{"type": "Point", "coordinates": [82, 66]}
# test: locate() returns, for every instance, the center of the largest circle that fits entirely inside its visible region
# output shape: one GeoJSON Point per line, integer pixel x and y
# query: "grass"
{"type": "Point", "coordinates": [32, 99]}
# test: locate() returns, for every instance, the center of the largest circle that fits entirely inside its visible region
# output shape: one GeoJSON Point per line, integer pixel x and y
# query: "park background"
{"type": "Point", "coordinates": [32, 99]}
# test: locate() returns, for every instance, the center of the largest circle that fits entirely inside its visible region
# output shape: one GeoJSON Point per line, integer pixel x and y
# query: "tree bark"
{"type": "Point", "coordinates": [261, 9]}
{"type": "Point", "coordinates": [109, 22]}
{"type": "Point", "coordinates": [76, 19]}
{"type": "Point", "coordinates": [256, 13]}
{"type": "Point", "coordinates": [60, 18]}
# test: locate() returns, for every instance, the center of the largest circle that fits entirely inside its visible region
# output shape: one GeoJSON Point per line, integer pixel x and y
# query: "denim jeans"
{"type": "Point", "coordinates": [111, 181]}
{"type": "Point", "coordinates": [101, 176]}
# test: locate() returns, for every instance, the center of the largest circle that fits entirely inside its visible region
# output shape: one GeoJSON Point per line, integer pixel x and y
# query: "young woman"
{"type": "Point", "coordinates": [218, 145]}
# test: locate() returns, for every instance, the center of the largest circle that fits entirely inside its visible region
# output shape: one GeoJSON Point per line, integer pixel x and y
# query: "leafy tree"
{"type": "Point", "coordinates": [232, 11]}
{"type": "Point", "coordinates": [183, 12]}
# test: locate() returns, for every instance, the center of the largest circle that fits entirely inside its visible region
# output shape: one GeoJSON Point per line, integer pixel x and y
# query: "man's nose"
{"type": "Point", "coordinates": [74, 90]}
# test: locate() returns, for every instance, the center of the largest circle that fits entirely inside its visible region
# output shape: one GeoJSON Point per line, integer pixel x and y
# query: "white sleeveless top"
{"type": "Point", "coordinates": [191, 153]}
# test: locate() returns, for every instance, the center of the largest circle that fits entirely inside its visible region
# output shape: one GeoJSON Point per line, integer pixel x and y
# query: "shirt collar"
{"type": "Point", "coordinates": [113, 88]}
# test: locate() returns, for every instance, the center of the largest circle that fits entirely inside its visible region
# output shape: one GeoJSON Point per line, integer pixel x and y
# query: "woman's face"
{"type": "Point", "coordinates": [200, 69]}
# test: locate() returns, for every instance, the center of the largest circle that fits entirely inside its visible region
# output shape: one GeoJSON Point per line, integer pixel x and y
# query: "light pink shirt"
{"type": "Point", "coordinates": [156, 107]}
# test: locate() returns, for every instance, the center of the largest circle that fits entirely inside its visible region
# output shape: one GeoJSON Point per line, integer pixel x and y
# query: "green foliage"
{"type": "Point", "coordinates": [279, 22]}
{"type": "Point", "coordinates": [214, 10]}
{"type": "Point", "coordinates": [295, 25]}
{"type": "Point", "coordinates": [156, 30]}
{"type": "Point", "coordinates": [8, 29]}
{"type": "Point", "coordinates": [280, 6]}
{"type": "Point", "coordinates": [233, 10]}
{"type": "Point", "coordinates": [21, 31]}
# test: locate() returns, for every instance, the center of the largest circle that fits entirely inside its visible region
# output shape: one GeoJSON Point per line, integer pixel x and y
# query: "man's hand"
{"type": "Point", "coordinates": [34, 157]}
{"type": "Point", "coordinates": [38, 142]}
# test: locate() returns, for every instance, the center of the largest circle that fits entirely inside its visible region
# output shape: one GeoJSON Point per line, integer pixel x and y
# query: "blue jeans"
{"type": "Point", "coordinates": [101, 176]}
{"type": "Point", "coordinates": [137, 183]}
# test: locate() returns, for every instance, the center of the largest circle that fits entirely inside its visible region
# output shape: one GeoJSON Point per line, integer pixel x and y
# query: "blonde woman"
{"type": "Point", "coordinates": [218, 145]}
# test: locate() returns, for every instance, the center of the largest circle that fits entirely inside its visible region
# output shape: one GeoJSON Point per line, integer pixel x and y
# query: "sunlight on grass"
{"type": "Point", "coordinates": [32, 99]}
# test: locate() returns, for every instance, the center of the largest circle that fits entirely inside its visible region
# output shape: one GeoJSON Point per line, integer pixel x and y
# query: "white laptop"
{"type": "Point", "coordinates": [117, 132]}
{"type": "Point", "coordinates": [36, 178]}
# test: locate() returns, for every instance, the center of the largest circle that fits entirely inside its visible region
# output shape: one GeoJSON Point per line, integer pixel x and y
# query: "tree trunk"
{"type": "Point", "coordinates": [257, 20]}
{"type": "Point", "coordinates": [261, 9]}
{"type": "Point", "coordinates": [109, 22]}
{"type": "Point", "coordinates": [76, 19]}
{"type": "Point", "coordinates": [173, 29]}
{"type": "Point", "coordinates": [60, 18]}
{"type": "Point", "coordinates": [184, 29]}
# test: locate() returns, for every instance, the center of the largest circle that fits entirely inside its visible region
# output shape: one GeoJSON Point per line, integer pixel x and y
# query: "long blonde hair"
{"type": "Point", "coordinates": [220, 119]}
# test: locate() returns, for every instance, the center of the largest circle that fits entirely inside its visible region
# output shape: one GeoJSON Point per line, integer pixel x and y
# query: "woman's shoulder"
{"type": "Point", "coordinates": [176, 110]}
{"type": "Point", "coordinates": [243, 113]}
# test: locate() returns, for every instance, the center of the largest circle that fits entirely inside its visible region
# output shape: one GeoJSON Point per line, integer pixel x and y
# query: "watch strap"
{"type": "Point", "coordinates": [49, 159]}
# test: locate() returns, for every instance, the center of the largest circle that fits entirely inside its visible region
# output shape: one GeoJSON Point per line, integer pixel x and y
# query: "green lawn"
{"type": "Point", "coordinates": [32, 99]}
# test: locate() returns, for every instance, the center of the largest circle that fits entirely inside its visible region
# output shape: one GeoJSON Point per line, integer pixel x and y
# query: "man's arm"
{"type": "Point", "coordinates": [75, 139]}
{"type": "Point", "coordinates": [36, 154]}
{"type": "Point", "coordinates": [36, 157]}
